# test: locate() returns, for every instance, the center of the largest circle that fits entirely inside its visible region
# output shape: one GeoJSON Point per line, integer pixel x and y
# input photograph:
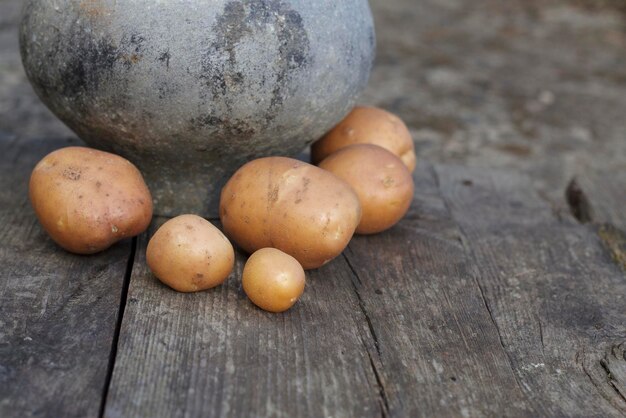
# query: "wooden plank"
{"type": "Point", "coordinates": [553, 291]}
{"type": "Point", "coordinates": [214, 354]}
{"type": "Point", "coordinates": [58, 311]}
{"type": "Point", "coordinates": [438, 350]}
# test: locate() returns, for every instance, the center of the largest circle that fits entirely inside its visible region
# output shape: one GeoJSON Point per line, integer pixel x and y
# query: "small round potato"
{"type": "Point", "coordinates": [88, 199]}
{"type": "Point", "coordinates": [368, 125]}
{"type": "Point", "coordinates": [189, 254]}
{"type": "Point", "coordinates": [296, 207]}
{"type": "Point", "coordinates": [273, 280]}
{"type": "Point", "coordinates": [382, 182]}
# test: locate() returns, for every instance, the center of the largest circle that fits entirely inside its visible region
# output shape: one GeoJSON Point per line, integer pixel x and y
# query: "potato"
{"type": "Point", "coordinates": [368, 125]}
{"type": "Point", "coordinates": [382, 182]}
{"type": "Point", "coordinates": [88, 199]}
{"type": "Point", "coordinates": [189, 254]}
{"type": "Point", "coordinates": [284, 203]}
{"type": "Point", "coordinates": [273, 280]}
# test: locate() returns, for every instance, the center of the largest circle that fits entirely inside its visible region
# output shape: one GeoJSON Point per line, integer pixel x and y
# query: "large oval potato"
{"type": "Point", "coordinates": [189, 254]}
{"type": "Point", "coordinates": [368, 125]}
{"type": "Point", "coordinates": [88, 199]}
{"type": "Point", "coordinates": [293, 206]}
{"type": "Point", "coordinates": [380, 179]}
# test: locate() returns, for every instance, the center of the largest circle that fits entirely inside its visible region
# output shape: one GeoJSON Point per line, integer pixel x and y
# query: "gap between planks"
{"type": "Point", "coordinates": [120, 318]}
{"type": "Point", "coordinates": [118, 326]}
{"type": "Point", "coordinates": [384, 400]}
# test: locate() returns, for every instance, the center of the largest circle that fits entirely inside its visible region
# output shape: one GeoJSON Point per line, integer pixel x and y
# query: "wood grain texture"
{"type": "Point", "coordinates": [557, 299]}
{"type": "Point", "coordinates": [482, 302]}
{"type": "Point", "coordinates": [214, 354]}
{"type": "Point", "coordinates": [58, 311]}
{"type": "Point", "coordinates": [438, 351]}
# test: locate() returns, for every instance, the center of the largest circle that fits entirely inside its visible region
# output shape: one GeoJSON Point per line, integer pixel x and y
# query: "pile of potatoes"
{"type": "Point", "coordinates": [289, 215]}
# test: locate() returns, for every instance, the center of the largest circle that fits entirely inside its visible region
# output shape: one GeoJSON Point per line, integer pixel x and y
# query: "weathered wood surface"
{"type": "Point", "coordinates": [555, 295]}
{"type": "Point", "coordinates": [58, 312]}
{"type": "Point", "coordinates": [437, 349]}
{"type": "Point", "coordinates": [215, 354]}
{"type": "Point", "coordinates": [483, 302]}
{"type": "Point", "coordinates": [536, 86]}
{"type": "Point", "coordinates": [601, 198]}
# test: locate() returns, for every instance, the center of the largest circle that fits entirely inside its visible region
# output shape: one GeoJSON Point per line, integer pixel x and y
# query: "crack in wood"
{"type": "Point", "coordinates": [614, 365]}
{"type": "Point", "coordinates": [493, 319]}
{"type": "Point", "coordinates": [580, 359]}
{"type": "Point", "coordinates": [613, 238]}
{"type": "Point", "coordinates": [362, 305]}
{"type": "Point", "coordinates": [118, 326]}
{"type": "Point", "coordinates": [578, 202]}
{"type": "Point", "coordinates": [384, 401]}
{"type": "Point", "coordinates": [612, 382]}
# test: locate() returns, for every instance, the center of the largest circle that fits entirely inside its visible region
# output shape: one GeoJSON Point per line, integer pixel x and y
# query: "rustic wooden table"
{"type": "Point", "coordinates": [502, 293]}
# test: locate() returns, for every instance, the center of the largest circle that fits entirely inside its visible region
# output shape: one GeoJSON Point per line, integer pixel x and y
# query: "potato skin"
{"type": "Point", "coordinates": [293, 206]}
{"type": "Point", "coordinates": [380, 179]}
{"type": "Point", "coordinates": [189, 254]}
{"type": "Point", "coordinates": [273, 280]}
{"type": "Point", "coordinates": [88, 199]}
{"type": "Point", "coordinates": [368, 125]}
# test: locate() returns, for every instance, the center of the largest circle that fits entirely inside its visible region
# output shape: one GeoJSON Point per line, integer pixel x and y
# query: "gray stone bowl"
{"type": "Point", "coordinates": [189, 90]}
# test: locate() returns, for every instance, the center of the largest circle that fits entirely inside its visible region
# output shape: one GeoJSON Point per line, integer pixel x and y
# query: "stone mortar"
{"type": "Point", "coordinates": [190, 90]}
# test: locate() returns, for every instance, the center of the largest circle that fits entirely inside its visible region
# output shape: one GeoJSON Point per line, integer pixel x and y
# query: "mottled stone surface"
{"type": "Point", "coordinates": [190, 90]}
